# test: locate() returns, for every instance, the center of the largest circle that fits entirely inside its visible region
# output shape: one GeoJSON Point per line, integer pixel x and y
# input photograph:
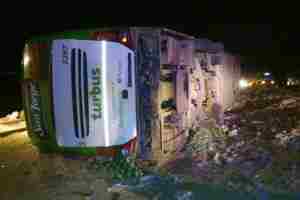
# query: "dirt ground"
{"type": "Point", "coordinates": [27, 174]}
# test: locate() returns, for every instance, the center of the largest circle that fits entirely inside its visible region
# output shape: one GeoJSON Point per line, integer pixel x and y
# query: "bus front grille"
{"type": "Point", "coordinates": [80, 98]}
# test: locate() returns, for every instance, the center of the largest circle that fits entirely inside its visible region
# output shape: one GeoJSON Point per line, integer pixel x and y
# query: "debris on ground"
{"type": "Point", "coordinates": [12, 122]}
{"type": "Point", "coordinates": [155, 186]}
{"type": "Point", "coordinates": [256, 150]}
{"type": "Point", "coordinates": [54, 176]}
{"type": "Point", "coordinates": [261, 143]}
{"type": "Point", "coordinates": [13, 117]}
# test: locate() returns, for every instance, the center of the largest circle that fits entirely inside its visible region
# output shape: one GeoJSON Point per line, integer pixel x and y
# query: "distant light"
{"type": "Point", "coordinates": [267, 73]}
{"type": "Point", "coordinates": [26, 59]}
{"type": "Point", "coordinates": [124, 39]}
{"type": "Point", "coordinates": [243, 83]}
{"type": "Point", "coordinates": [272, 82]}
{"type": "Point", "coordinates": [290, 81]}
{"type": "Point", "coordinates": [263, 82]}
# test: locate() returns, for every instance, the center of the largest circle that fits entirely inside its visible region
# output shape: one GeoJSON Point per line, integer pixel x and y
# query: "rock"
{"type": "Point", "coordinates": [258, 133]}
{"type": "Point", "coordinates": [150, 179]}
{"type": "Point", "coordinates": [288, 101]}
{"type": "Point", "coordinates": [273, 130]}
{"type": "Point", "coordinates": [202, 164]}
{"type": "Point", "coordinates": [224, 128]}
{"type": "Point", "coordinates": [13, 116]}
{"type": "Point", "coordinates": [217, 159]}
{"type": "Point", "coordinates": [145, 163]}
{"type": "Point", "coordinates": [228, 150]}
{"type": "Point", "coordinates": [158, 196]}
{"type": "Point", "coordinates": [183, 195]}
{"type": "Point", "coordinates": [179, 180]}
{"type": "Point", "coordinates": [120, 193]}
{"type": "Point", "coordinates": [117, 188]}
{"type": "Point", "coordinates": [211, 148]}
{"type": "Point", "coordinates": [103, 158]}
{"type": "Point", "coordinates": [263, 194]}
{"type": "Point", "coordinates": [248, 168]}
{"type": "Point", "coordinates": [123, 192]}
{"type": "Point", "coordinates": [257, 122]}
{"type": "Point", "coordinates": [91, 160]}
{"type": "Point", "coordinates": [230, 184]}
{"type": "Point", "coordinates": [282, 139]}
{"type": "Point", "coordinates": [99, 188]}
{"type": "Point", "coordinates": [233, 133]}
{"type": "Point", "coordinates": [265, 160]}
{"type": "Point", "coordinates": [77, 187]}
{"type": "Point", "coordinates": [240, 144]}
{"type": "Point", "coordinates": [235, 155]}
{"type": "Point", "coordinates": [89, 197]}
{"type": "Point", "coordinates": [229, 160]}
{"type": "Point", "coordinates": [293, 144]}
{"type": "Point", "coordinates": [295, 132]}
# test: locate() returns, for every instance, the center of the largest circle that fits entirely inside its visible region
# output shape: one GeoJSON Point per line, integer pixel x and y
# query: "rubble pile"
{"type": "Point", "coordinates": [262, 141]}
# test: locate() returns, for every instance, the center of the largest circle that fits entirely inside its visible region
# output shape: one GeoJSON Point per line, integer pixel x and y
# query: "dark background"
{"type": "Point", "coordinates": [262, 46]}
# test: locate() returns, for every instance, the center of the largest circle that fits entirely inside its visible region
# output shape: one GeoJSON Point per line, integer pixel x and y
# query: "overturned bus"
{"type": "Point", "coordinates": [138, 89]}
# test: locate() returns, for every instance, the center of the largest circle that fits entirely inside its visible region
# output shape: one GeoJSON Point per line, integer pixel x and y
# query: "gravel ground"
{"type": "Point", "coordinates": [26, 174]}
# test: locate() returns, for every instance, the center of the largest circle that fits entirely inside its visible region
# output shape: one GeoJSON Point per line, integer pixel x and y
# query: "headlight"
{"type": "Point", "coordinates": [26, 59]}
{"type": "Point", "coordinates": [243, 83]}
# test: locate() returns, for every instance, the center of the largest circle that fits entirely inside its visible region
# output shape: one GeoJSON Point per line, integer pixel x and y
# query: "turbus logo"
{"type": "Point", "coordinates": [96, 93]}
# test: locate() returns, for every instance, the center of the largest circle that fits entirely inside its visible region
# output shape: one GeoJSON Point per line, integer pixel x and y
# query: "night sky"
{"type": "Point", "coordinates": [273, 47]}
